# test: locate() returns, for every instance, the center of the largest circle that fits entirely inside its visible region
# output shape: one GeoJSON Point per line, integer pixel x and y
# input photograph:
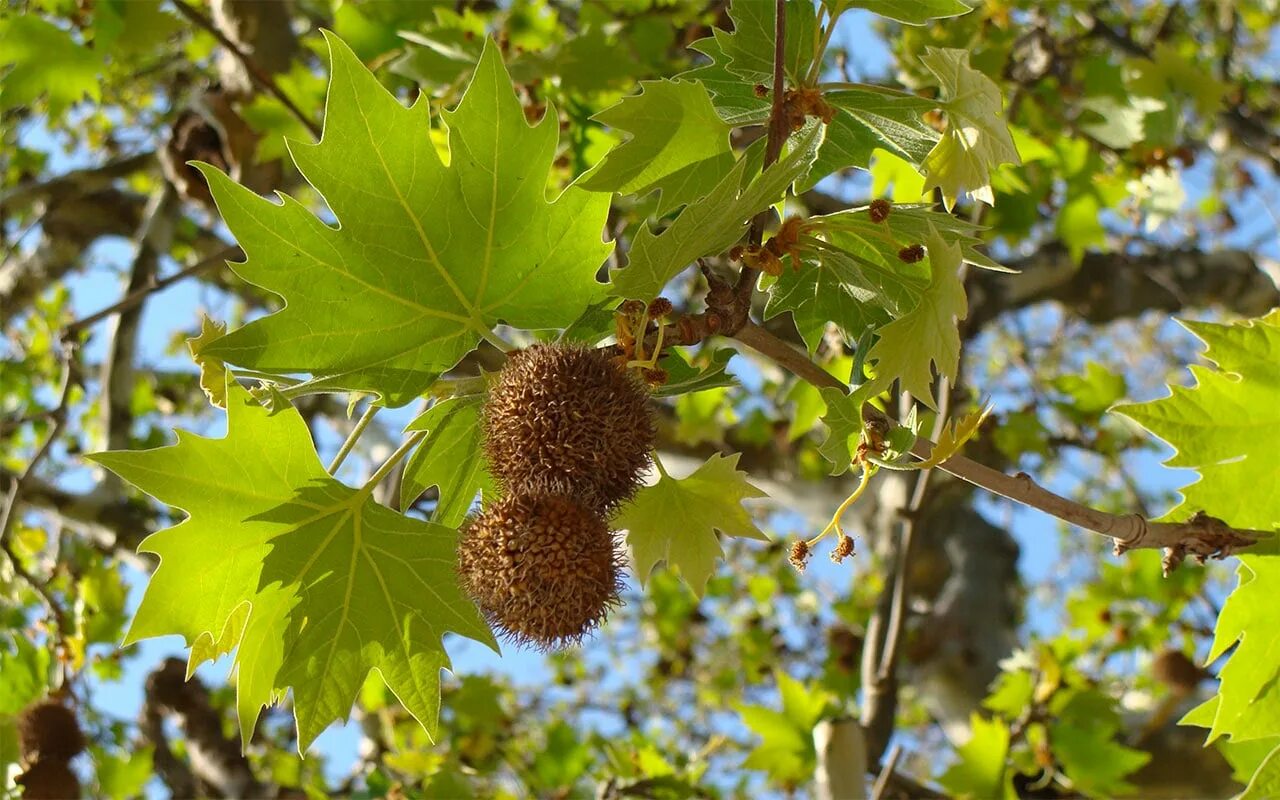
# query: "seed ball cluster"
{"type": "Point", "coordinates": [49, 737]}
{"type": "Point", "coordinates": [568, 432]}
{"type": "Point", "coordinates": [544, 569]}
{"type": "Point", "coordinates": [565, 419]}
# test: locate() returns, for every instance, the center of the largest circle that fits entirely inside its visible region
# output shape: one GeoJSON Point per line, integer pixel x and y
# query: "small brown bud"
{"type": "Point", "coordinates": [879, 210]}
{"type": "Point", "coordinates": [842, 550]}
{"type": "Point", "coordinates": [799, 557]}
{"type": "Point", "coordinates": [656, 376]}
{"type": "Point", "coordinates": [735, 252]}
{"type": "Point", "coordinates": [633, 308]}
{"type": "Point", "coordinates": [911, 254]}
{"type": "Point", "coordinates": [659, 308]}
{"type": "Point", "coordinates": [761, 90]}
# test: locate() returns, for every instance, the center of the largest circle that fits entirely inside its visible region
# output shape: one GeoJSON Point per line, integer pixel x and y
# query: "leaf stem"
{"type": "Point", "coordinates": [494, 339]}
{"type": "Point", "coordinates": [834, 524]}
{"type": "Point", "coordinates": [657, 464]}
{"type": "Point", "coordinates": [390, 463]}
{"type": "Point", "coordinates": [354, 436]}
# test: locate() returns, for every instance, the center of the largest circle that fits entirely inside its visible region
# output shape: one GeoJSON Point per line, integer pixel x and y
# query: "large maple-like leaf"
{"type": "Point", "coordinates": [675, 520]}
{"type": "Point", "coordinates": [427, 257]}
{"type": "Point", "coordinates": [977, 139]}
{"type": "Point", "coordinates": [1225, 427]}
{"type": "Point", "coordinates": [714, 223]}
{"type": "Point", "coordinates": [678, 145]}
{"type": "Point", "coordinates": [926, 336]}
{"type": "Point", "coordinates": [912, 12]}
{"type": "Point", "coordinates": [312, 583]}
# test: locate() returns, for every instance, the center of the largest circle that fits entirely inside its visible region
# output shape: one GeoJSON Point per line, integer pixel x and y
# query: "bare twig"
{"type": "Point", "coordinates": [133, 298]}
{"type": "Point", "coordinates": [58, 420]}
{"type": "Point", "coordinates": [882, 780]}
{"type": "Point", "coordinates": [256, 72]}
{"type": "Point", "coordinates": [1201, 536]}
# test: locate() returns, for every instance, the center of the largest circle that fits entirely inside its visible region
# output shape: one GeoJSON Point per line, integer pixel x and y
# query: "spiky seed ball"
{"type": "Point", "coordinates": [1173, 668]}
{"type": "Point", "coordinates": [49, 780]}
{"type": "Point", "coordinates": [49, 730]}
{"type": "Point", "coordinates": [545, 569]}
{"type": "Point", "coordinates": [566, 419]}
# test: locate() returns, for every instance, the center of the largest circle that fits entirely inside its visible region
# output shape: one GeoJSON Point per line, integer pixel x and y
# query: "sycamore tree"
{"type": "Point", "coordinates": [636, 398]}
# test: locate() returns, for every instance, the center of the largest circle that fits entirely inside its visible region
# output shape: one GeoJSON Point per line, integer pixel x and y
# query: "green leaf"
{"type": "Point", "coordinates": [1083, 735]}
{"type": "Point", "coordinates": [123, 776]}
{"type": "Point", "coordinates": [312, 581]}
{"type": "Point", "coordinates": [927, 335]}
{"type": "Point", "coordinates": [1266, 781]}
{"type": "Point", "coordinates": [44, 60]}
{"type": "Point", "coordinates": [25, 668]}
{"type": "Point", "coordinates": [452, 458]}
{"type": "Point", "coordinates": [427, 257]}
{"type": "Point", "coordinates": [735, 99]}
{"type": "Point", "coordinates": [816, 295]}
{"type": "Point", "coordinates": [1228, 428]}
{"type": "Point", "coordinates": [1093, 392]}
{"type": "Point", "coordinates": [711, 225]}
{"type": "Point", "coordinates": [675, 520]}
{"type": "Point", "coordinates": [684, 377]}
{"type": "Point", "coordinates": [1224, 426]}
{"type": "Point", "coordinates": [678, 145]}
{"type": "Point", "coordinates": [907, 223]}
{"type": "Point", "coordinates": [980, 770]}
{"type": "Point", "coordinates": [977, 139]}
{"type": "Point", "coordinates": [1123, 122]}
{"type": "Point", "coordinates": [749, 47]}
{"type": "Point", "coordinates": [844, 423]}
{"type": "Point", "coordinates": [10, 751]}
{"type": "Point", "coordinates": [787, 751]}
{"type": "Point", "coordinates": [867, 119]}
{"type": "Point", "coordinates": [912, 12]}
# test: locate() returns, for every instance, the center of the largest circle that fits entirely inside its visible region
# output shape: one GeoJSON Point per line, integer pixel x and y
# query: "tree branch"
{"type": "Point", "coordinates": [215, 759]}
{"type": "Point", "coordinates": [259, 75]}
{"type": "Point", "coordinates": [14, 494]}
{"type": "Point", "coordinates": [1201, 536]}
{"type": "Point", "coordinates": [141, 293]}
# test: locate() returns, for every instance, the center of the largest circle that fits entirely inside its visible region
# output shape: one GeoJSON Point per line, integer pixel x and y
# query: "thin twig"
{"type": "Point", "coordinates": [1201, 535]}
{"type": "Point", "coordinates": [58, 420]}
{"type": "Point", "coordinates": [257, 73]}
{"type": "Point", "coordinates": [133, 298]}
{"type": "Point", "coordinates": [881, 785]}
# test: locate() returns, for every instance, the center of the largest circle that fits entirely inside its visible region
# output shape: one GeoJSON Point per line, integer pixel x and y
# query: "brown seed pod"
{"type": "Point", "coordinates": [1173, 668]}
{"type": "Point", "coordinates": [49, 780]}
{"type": "Point", "coordinates": [569, 420]}
{"type": "Point", "coordinates": [911, 254]}
{"type": "Point", "coordinates": [879, 210]}
{"type": "Point", "coordinates": [544, 569]}
{"type": "Point", "coordinates": [799, 555]}
{"type": "Point", "coordinates": [49, 731]}
{"type": "Point", "coordinates": [659, 307]}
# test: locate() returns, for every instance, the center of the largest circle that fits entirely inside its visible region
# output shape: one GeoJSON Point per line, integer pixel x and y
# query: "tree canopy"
{"type": "Point", "coordinates": [874, 322]}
